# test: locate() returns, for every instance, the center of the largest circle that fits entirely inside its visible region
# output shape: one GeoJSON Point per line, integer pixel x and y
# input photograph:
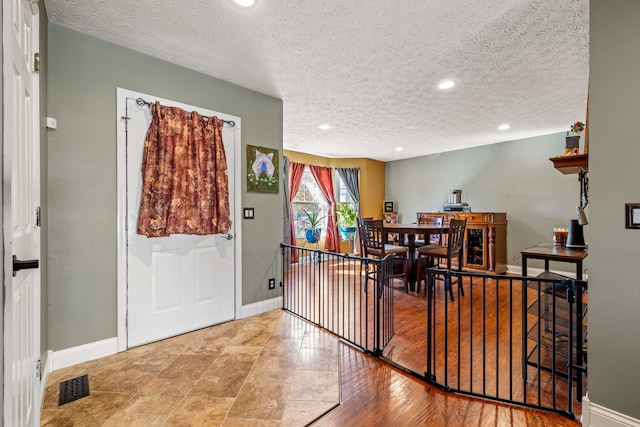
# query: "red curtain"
{"type": "Point", "coordinates": [185, 189]}
{"type": "Point", "coordinates": [295, 178]}
{"type": "Point", "coordinates": [324, 177]}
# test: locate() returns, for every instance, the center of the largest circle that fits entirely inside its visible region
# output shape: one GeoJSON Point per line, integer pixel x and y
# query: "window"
{"type": "Point", "coordinates": [309, 198]}
{"type": "Point", "coordinates": [342, 195]}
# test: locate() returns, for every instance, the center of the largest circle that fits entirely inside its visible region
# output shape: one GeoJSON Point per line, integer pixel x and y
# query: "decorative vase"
{"type": "Point", "coordinates": [312, 235]}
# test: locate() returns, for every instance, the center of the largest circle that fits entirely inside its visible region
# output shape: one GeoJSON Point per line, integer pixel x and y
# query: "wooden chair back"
{"type": "Point", "coordinates": [372, 235]}
{"type": "Point", "coordinates": [455, 239]}
{"type": "Point", "coordinates": [361, 235]}
{"type": "Point", "coordinates": [432, 220]}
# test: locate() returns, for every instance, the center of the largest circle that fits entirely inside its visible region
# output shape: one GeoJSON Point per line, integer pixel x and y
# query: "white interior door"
{"type": "Point", "coordinates": [21, 199]}
{"type": "Point", "coordinates": [178, 283]}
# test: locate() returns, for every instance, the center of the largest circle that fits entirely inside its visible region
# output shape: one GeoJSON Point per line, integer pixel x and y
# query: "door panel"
{"type": "Point", "coordinates": [21, 184]}
{"type": "Point", "coordinates": [178, 283]}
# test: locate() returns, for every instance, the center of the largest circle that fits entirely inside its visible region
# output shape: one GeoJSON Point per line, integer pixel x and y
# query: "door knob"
{"type": "Point", "coordinates": [23, 265]}
{"type": "Point", "coordinates": [228, 236]}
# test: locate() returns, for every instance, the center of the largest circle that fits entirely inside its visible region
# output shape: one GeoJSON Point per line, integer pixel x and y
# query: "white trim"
{"type": "Point", "coordinates": [121, 232]}
{"type": "Point", "coordinates": [261, 307]}
{"type": "Point", "coordinates": [84, 353]}
{"type": "Point", "coordinates": [44, 373]}
{"type": "Point", "coordinates": [237, 222]}
{"type": "Point", "coordinates": [594, 415]}
{"type": "Point", "coordinates": [121, 205]}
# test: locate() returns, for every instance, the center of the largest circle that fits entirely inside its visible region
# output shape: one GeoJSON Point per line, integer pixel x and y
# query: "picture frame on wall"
{"type": "Point", "coordinates": [389, 206]}
{"type": "Point", "coordinates": [262, 170]}
{"type": "Point", "coordinates": [632, 215]}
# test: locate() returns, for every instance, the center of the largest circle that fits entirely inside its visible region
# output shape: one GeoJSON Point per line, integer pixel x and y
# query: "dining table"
{"type": "Point", "coordinates": [407, 233]}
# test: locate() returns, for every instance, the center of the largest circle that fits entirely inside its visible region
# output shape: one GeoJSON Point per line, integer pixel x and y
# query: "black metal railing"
{"type": "Point", "coordinates": [512, 339]}
{"type": "Point", "coordinates": [347, 295]}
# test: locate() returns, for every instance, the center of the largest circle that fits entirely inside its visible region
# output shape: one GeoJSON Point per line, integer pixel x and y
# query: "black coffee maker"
{"type": "Point", "coordinates": [575, 237]}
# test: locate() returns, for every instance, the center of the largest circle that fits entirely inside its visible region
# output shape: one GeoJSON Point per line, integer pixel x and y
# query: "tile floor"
{"type": "Point", "coordinates": [272, 369]}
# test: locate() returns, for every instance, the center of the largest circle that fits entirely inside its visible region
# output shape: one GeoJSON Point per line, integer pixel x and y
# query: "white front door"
{"type": "Point", "coordinates": [21, 200]}
{"type": "Point", "coordinates": [178, 283]}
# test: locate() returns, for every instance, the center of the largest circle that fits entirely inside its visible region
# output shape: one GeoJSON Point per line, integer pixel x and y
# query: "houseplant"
{"type": "Point", "coordinates": [311, 225]}
{"type": "Point", "coordinates": [572, 144]}
{"type": "Point", "coordinates": [347, 220]}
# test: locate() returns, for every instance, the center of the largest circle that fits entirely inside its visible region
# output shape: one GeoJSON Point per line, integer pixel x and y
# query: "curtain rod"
{"type": "Point", "coordinates": [142, 102]}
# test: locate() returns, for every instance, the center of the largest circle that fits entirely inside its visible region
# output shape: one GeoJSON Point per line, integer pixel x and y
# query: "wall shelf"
{"type": "Point", "coordinates": [571, 164]}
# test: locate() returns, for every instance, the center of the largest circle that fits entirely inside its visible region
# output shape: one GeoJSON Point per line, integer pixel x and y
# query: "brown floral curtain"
{"type": "Point", "coordinates": [185, 189]}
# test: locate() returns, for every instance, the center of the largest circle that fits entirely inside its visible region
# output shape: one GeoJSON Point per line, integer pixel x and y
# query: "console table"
{"type": "Point", "coordinates": [554, 253]}
{"type": "Point", "coordinates": [565, 317]}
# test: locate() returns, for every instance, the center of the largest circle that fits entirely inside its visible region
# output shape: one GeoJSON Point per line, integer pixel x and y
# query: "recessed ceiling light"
{"type": "Point", "coordinates": [446, 84]}
{"type": "Point", "coordinates": [504, 126]}
{"type": "Point", "coordinates": [398, 148]}
{"type": "Point", "coordinates": [244, 3]}
{"type": "Point", "coordinates": [324, 127]}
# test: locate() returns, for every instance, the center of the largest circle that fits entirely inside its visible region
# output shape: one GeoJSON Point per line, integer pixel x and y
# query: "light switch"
{"type": "Point", "coordinates": [247, 213]}
{"type": "Point", "coordinates": [52, 123]}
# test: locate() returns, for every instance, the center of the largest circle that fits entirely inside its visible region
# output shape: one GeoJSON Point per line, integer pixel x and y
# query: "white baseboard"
{"type": "Point", "coordinates": [84, 353]}
{"type": "Point", "coordinates": [594, 415]}
{"type": "Point", "coordinates": [261, 306]}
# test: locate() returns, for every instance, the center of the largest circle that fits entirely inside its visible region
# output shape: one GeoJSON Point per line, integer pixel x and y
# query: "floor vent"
{"type": "Point", "coordinates": [73, 389]}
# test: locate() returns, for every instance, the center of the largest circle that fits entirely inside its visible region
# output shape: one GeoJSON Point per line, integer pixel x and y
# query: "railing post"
{"type": "Point", "coordinates": [430, 333]}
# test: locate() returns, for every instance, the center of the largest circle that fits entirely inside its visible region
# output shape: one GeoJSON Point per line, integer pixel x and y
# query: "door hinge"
{"type": "Point", "coordinates": [38, 217]}
{"type": "Point", "coordinates": [39, 369]}
{"type": "Point", "coordinates": [126, 123]}
{"type": "Point", "coordinates": [36, 62]}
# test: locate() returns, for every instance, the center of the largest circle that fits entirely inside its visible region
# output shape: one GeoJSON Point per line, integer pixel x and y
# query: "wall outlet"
{"type": "Point", "coordinates": [272, 283]}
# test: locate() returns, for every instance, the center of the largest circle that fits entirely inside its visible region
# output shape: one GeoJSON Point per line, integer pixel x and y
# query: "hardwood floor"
{"type": "Point", "coordinates": [376, 394]}
{"type": "Point", "coordinates": [483, 351]}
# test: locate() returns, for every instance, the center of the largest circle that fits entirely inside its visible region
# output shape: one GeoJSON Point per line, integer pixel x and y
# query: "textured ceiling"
{"type": "Point", "coordinates": [370, 69]}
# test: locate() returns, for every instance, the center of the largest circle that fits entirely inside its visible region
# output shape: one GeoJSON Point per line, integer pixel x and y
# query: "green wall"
{"type": "Point", "coordinates": [614, 145]}
{"type": "Point", "coordinates": [83, 75]}
{"type": "Point", "coordinates": [515, 177]}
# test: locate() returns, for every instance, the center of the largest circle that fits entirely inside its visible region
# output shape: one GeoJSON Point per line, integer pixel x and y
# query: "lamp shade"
{"type": "Point", "coordinates": [575, 238]}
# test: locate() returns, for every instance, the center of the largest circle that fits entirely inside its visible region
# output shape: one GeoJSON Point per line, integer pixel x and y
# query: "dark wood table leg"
{"type": "Point", "coordinates": [411, 261]}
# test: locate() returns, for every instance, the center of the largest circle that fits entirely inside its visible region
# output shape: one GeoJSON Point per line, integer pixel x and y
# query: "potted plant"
{"type": "Point", "coordinates": [347, 220]}
{"type": "Point", "coordinates": [572, 144]}
{"type": "Point", "coordinates": [311, 225]}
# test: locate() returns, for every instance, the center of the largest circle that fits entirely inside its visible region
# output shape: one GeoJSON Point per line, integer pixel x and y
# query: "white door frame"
{"type": "Point", "coordinates": [121, 206]}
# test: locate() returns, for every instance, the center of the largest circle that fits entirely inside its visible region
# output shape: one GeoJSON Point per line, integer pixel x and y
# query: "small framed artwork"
{"type": "Point", "coordinates": [632, 215]}
{"type": "Point", "coordinates": [389, 206]}
{"type": "Point", "coordinates": [262, 170]}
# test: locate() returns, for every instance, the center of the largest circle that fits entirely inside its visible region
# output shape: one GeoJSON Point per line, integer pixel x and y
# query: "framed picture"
{"type": "Point", "coordinates": [262, 170]}
{"type": "Point", "coordinates": [632, 215]}
{"type": "Point", "coordinates": [389, 206]}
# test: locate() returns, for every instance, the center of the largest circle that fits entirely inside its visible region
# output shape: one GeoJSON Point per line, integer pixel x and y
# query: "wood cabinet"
{"type": "Point", "coordinates": [485, 242]}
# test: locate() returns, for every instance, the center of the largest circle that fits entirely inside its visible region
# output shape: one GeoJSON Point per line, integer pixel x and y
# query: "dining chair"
{"type": "Point", "coordinates": [372, 238]}
{"type": "Point", "coordinates": [428, 254]}
{"type": "Point", "coordinates": [434, 239]}
{"type": "Point", "coordinates": [361, 234]}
